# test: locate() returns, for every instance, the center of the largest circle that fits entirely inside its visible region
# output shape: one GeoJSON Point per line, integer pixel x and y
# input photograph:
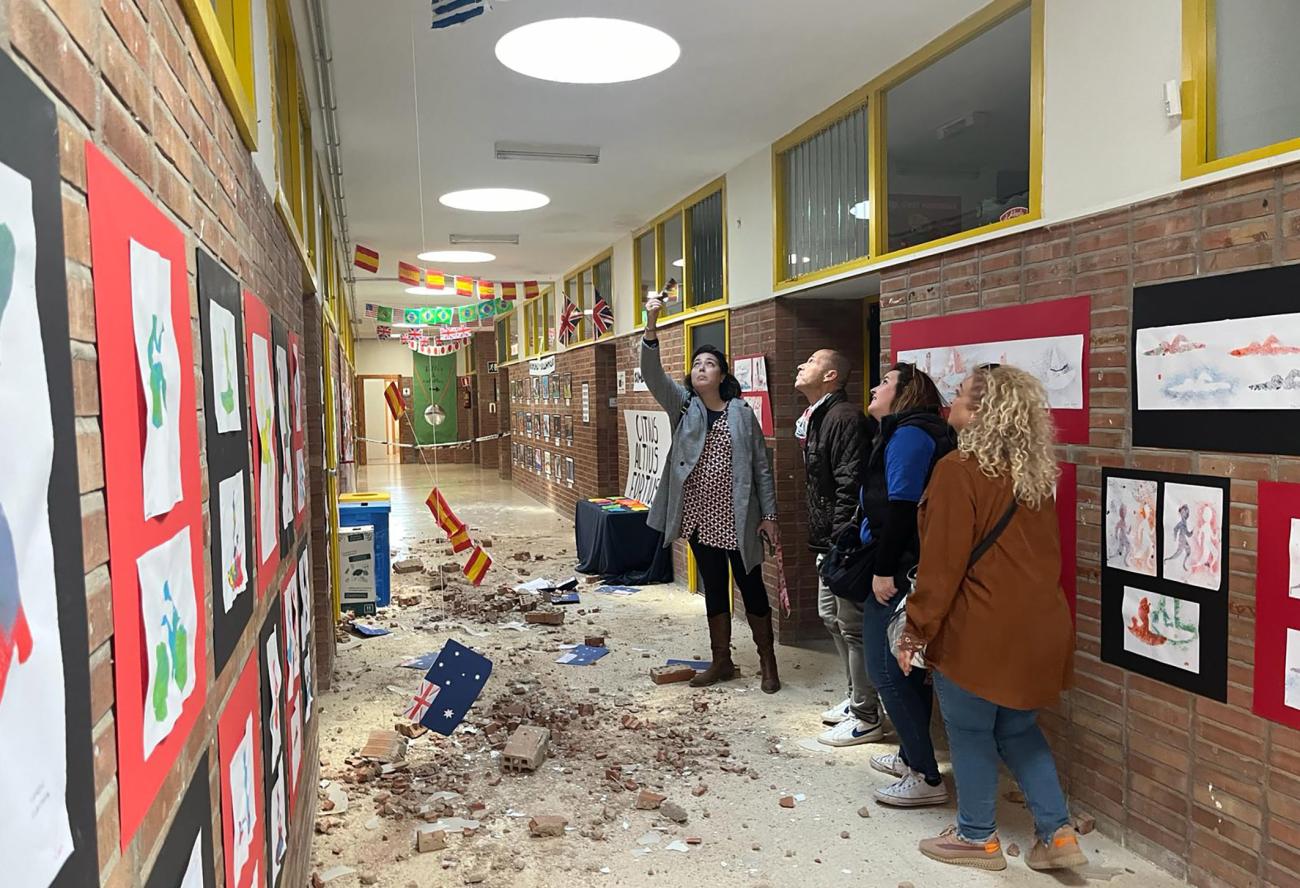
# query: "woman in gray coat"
{"type": "Point", "coordinates": [717, 493]}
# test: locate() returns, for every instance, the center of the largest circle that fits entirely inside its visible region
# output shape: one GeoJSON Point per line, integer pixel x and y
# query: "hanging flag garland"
{"type": "Point", "coordinates": [366, 259]}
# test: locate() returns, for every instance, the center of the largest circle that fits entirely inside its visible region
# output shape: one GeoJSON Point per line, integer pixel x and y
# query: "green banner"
{"type": "Point", "coordinates": [434, 396]}
{"type": "Point", "coordinates": [383, 315]}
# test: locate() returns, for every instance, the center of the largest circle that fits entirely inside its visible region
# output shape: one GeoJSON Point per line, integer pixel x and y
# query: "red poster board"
{"type": "Point", "coordinates": [298, 419]}
{"type": "Point", "coordinates": [239, 733]}
{"type": "Point", "coordinates": [1277, 613]}
{"type": "Point", "coordinates": [120, 214]}
{"type": "Point", "coordinates": [1067, 502]}
{"type": "Point", "coordinates": [1059, 317]}
{"type": "Point", "coordinates": [295, 725]}
{"type": "Point", "coordinates": [257, 321]}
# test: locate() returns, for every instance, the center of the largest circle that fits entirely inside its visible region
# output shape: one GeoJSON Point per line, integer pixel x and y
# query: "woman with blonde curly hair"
{"type": "Point", "coordinates": [990, 617]}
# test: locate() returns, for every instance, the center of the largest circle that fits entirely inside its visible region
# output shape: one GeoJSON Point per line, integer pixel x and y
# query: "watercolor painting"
{"type": "Point", "coordinates": [279, 831]}
{"type": "Point", "coordinates": [286, 462]}
{"type": "Point", "coordinates": [301, 461]}
{"type": "Point", "coordinates": [1193, 528]}
{"type": "Point", "coordinates": [1131, 525]}
{"type": "Point", "coordinates": [160, 378]}
{"type": "Point", "coordinates": [275, 678]}
{"type": "Point", "coordinates": [243, 803]}
{"type": "Point", "coordinates": [295, 744]}
{"type": "Point", "coordinates": [1293, 577]}
{"type": "Point", "coordinates": [268, 539]}
{"type": "Point", "coordinates": [292, 638]}
{"type": "Point", "coordinates": [1291, 686]}
{"type": "Point", "coordinates": [1237, 364]}
{"type": "Point", "coordinates": [33, 730]}
{"type": "Point", "coordinates": [1055, 361]}
{"type": "Point", "coordinates": [225, 368]}
{"type": "Point", "coordinates": [234, 560]}
{"type": "Point", "coordinates": [1163, 628]}
{"type": "Point", "coordinates": [169, 615]}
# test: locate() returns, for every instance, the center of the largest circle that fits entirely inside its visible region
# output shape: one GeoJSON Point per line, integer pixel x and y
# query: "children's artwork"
{"type": "Point", "coordinates": [155, 349]}
{"type": "Point", "coordinates": [1293, 551]}
{"type": "Point", "coordinates": [305, 622]}
{"type": "Point", "coordinates": [1130, 532]}
{"type": "Point", "coordinates": [242, 800]}
{"type": "Point", "coordinates": [1276, 620]}
{"type": "Point", "coordinates": [264, 447]}
{"type": "Point", "coordinates": [295, 751]}
{"type": "Point", "coordinates": [239, 743]}
{"type": "Point", "coordinates": [270, 663]}
{"type": "Point", "coordinates": [168, 613]}
{"type": "Point", "coordinates": [1193, 535]}
{"type": "Point", "coordinates": [1055, 361]}
{"type": "Point", "coordinates": [223, 339]}
{"type": "Point", "coordinates": [1163, 628]}
{"type": "Point", "coordinates": [279, 833]}
{"type": "Point", "coordinates": [1291, 682]}
{"type": "Point", "coordinates": [283, 423]}
{"type": "Point", "coordinates": [193, 877]}
{"type": "Point", "coordinates": [234, 563]}
{"type": "Point", "coordinates": [275, 684]}
{"type": "Point", "coordinates": [186, 857]}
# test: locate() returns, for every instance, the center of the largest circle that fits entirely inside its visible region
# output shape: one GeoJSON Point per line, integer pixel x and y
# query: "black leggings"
{"type": "Point", "coordinates": [712, 565]}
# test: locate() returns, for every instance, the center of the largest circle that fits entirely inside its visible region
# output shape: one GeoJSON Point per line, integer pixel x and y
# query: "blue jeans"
{"type": "Point", "coordinates": [980, 733]}
{"type": "Point", "coordinates": [907, 698]}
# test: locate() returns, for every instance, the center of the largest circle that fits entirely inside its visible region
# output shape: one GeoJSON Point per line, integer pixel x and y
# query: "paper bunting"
{"type": "Point", "coordinates": [371, 310]}
{"type": "Point", "coordinates": [487, 310]}
{"type": "Point", "coordinates": [509, 292]}
{"type": "Point", "coordinates": [383, 331]}
{"type": "Point", "coordinates": [531, 289]}
{"type": "Point", "coordinates": [487, 290]}
{"type": "Point", "coordinates": [476, 567]}
{"type": "Point", "coordinates": [383, 314]}
{"type": "Point", "coordinates": [427, 316]}
{"type": "Point", "coordinates": [444, 315]}
{"type": "Point", "coordinates": [442, 512]}
{"type": "Point", "coordinates": [464, 286]}
{"type": "Point", "coordinates": [435, 280]}
{"type": "Point", "coordinates": [366, 259]}
{"type": "Point", "coordinates": [408, 274]}
{"type": "Point", "coordinates": [393, 395]}
{"type": "Point", "coordinates": [411, 316]}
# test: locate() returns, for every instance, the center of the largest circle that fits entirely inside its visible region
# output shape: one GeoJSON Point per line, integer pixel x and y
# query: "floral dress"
{"type": "Point", "coordinates": [706, 495]}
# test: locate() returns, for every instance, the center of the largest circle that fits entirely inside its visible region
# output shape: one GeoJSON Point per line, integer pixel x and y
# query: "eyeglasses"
{"type": "Point", "coordinates": [990, 366]}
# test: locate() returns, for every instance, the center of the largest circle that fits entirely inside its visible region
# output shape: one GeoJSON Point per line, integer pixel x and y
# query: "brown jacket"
{"type": "Point", "coordinates": [1003, 630]}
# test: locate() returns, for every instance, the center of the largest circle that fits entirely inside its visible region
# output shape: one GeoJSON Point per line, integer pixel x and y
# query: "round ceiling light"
{"type": "Point", "coordinates": [494, 200]}
{"type": "Point", "coordinates": [429, 291]}
{"type": "Point", "coordinates": [587, 50]}
{"type": "Point", "coordinates": [456, 256]}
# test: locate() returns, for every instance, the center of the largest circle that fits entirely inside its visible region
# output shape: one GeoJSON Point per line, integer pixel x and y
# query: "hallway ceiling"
{"type": "Point", "coordinates": [749, 72]}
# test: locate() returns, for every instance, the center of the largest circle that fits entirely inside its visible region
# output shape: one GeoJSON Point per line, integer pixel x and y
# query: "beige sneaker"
{"type": "Point", "coordinates": [1063, 853]}
{"type": "Point", "coordinates": [950, 847]}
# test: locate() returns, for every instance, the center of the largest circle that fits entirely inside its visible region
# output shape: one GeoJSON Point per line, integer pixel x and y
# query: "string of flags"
{"type": "Point", "coordinates": [438, 315]}
{"type": "Point", "coordinates": [367, 259]}
{"type": "Point", "coordinates": [476, 568]}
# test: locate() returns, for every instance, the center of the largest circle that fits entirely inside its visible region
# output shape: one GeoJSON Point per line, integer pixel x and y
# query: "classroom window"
{"type": "Point", "coordinates": [710, 329]}
{"type": "Point", "coordinates": [646, 272]}
{"type": "Point", "coordinates": [603, 277]}
{"type": "Point", "coordinates": [224, 31]}
{"type": "Point", "coordinates": [674, 256]}
{"type": "Point", "coordinates": [581, 286]}
{"type": "Point", "coordinates": [706, 261]}
{"type": "Point", "coordinates": [687, 244]}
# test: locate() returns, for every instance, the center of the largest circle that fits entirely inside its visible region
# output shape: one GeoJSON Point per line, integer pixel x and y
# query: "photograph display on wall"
{"type": "Point", "coordinates": [186, 857]}
{"type": "Point", "coordinates": [1216, 363]}
{"type": "Point", "coordinates": [1047, 339]}
{"type": "Point", "coordinates": [1165, 611]}
{"type": "Point", "coordinates": [1277, 604]}
{"type": "Point", "coordinates": [45, 733]}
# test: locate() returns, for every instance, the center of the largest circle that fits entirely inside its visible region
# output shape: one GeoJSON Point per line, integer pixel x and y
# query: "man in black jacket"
{"type": "Point", "coordinates": [837, 439]}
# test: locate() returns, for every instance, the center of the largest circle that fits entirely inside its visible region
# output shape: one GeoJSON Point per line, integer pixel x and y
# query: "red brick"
{"type": "Point", "coordinates": [1235, 210]}
{"type": "Point", "coordinates": [1165, 247]}
{"type": "Point", "coordinates": [99, 607]}
{"type": "Point", "coordinates": [90, 463]}
{"type": "Point", "coordinates": [45, 44]}
{"type": "Point", "coordinates": [1239, 257]}
{"type": "Point", "coordinates": [125, 77]}
{"type": "Point", "coordinates": [85, 383]}
{"type": "Point", "coordinates": [1236, 467]}
{"type": "Point", "coordinates": [127, 22]}
{"type": "Point", "coordinates": [104, 749]}
{"type": "Point", "coordinates": [1256, 231]}
{"type": "Point", "coordinates": [1164, 269]}
{"type": "Point", "coordinates": [94, 531]}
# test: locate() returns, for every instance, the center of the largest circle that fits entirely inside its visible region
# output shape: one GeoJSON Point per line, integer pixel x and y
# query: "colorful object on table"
{"type": "Point", "coordinates": [409, 274]}
{"type": "Point", "coordinates": [396, 404]}
{"type": "Point", "coordinates": [582, 655]}
{"type": "Point", "coordinates": [457, 678]}
{"type": "Point", "coordinates": [477, 566]}
{"type": "Point", "coordinates": [602, 315]}
{"type": "Point", "coordinates": [366, 259]}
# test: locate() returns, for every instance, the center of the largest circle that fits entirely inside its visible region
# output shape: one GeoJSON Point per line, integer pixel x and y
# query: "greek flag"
{"type": "Point", "coordinates": [452, 12]}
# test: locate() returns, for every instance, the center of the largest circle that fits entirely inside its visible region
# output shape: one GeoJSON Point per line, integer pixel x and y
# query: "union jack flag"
{"type": "Point", "coordinates": [602, 315]}
{"type": "Point", "coordinates": [423, 700]}
{"type": "Point", "coordinates": [452, 12]}
{"type": "Point", "coordinates": [569, 319]}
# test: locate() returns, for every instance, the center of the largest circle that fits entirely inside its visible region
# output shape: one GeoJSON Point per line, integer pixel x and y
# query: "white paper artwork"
{"type": "Point", "coordinates": [1193, 527]}
{"type": "Point", "coordinates": [1236, 364]}
{"type": "Point", "coordinates": [170, 621]}
{"type": "Point", "coordinates": [1131, 525]}
{"type": "Point", "coordinates": [1293, 582]}
{"type": "Point", "coordinates": [743, 370]}
{"type": "Point", "coordinates": [275, 678]}
{"type": "Point", "coordinates": [160, 378]}
{"type": "Point", "coordinates": [234, 536]}
{"type": "Point", "coordinates": [1055, 361]}
{"type": "Point", "coordinates": [1163, 628]}
{"type": "Point", "coordinates": [1291, 684]}
{"type": "Point", "coordinates": [279, 832]}
{"type": "Point", "coordinates": [268, 539]}
{"type": "Point", "coordinates": [33, 782]}
{"type": "Point", "coordinates": [301, 461]}
{"type": "Point", "coordinates": [243, 806]}
{"type": "Point", "coordinates": [298, 399]}
{"type": "Point", "coordinates": [286, 462]}
{"type": "Point", "coordinates": [193, 877]}
{"type": "Point", "coordinates": [295, 741]}
{"type": "Point", "coordinates": [225, 368]}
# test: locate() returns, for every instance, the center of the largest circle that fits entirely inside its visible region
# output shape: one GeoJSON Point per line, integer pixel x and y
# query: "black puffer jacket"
{"type": "Point", "coordinates": [835, 458]}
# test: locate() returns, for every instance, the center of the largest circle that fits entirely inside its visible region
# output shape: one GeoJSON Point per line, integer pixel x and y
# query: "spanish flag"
{"type": "Point", "coordinates": [477, 566]}
{"type": "Point", "coordinates": [435, 280]}
{"type": "Point", "coordinates": [531, 290]}
{"type": "Point", "coordinates": [393, 395]}
{"type": "Point", "coordinates": [510, 291]}
{"type": "Point", "coordinates": [460, 540]}
{"type": "Point", "coordinates": [408, 274]}
{"type": "Point", "coordinates": [487, 290]}
{"type": "Point", "coordinates": [464, 286]}
{"type": "Point", "coordinates": [443, 514]}
{"type": "Point", "coordinates": [366, 259]}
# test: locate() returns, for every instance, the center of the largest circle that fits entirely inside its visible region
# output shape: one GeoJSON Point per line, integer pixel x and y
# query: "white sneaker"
{"type": "Point", "coordinates": [837, 714]}
{"type": "Point", "coordinates": [889, 763]}
{"type": "Point", "coordinates": [851, 732]}
{"type": "Point", "coordinates": [911, 791]}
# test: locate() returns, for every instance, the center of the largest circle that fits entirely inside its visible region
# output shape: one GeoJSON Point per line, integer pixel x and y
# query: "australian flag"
{"type": "Point", "coordinates": [453, 12]}
{"type": "Point", "coordinates": [450, 688]}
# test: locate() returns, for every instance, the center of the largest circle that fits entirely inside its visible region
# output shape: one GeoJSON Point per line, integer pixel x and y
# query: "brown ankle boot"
{"type": "Point", "coordinates": [721, 669]}
{"type": "Point", "coordinates": [762, 629]}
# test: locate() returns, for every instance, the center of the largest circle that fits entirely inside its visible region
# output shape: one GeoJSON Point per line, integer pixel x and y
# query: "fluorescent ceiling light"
{"type": "Point", "coordinates": [427, 291]}
{"type": "Point", "coordinates": [494, 200]}
{"type": "Point", "coordinates": [456, 256]}
{"type": "Point", "coordinates": [463, 239]}
{"type": "Point", "coordinates": [587, 50]}
{"type": "Point", "coordinates": [410, 326]}
{"type": "Point", "coordinates": [547, 152]}
{"type": "Point", "coordinates": [679, 263]}
{"type": "Point", "coordinates": [861, 210]}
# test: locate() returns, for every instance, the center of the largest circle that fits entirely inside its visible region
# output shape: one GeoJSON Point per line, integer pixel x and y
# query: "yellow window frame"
{"type": "Point", "coordinates": [225, 36]}
{"type": "Point", "coordinates": [291, 121]}
{"type": "Point", "coordinates": [656, 225]}
{"type": "Point", "coordinates": [873, 96]}
{"type": "Point", "coordinates": [574, 279]}
{"type": "Point", "coordinates": [1199, 88]}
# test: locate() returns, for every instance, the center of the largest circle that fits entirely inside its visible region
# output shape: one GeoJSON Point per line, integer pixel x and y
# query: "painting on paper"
{"type": "Point", "coordinates": [243, 802]}
{"type": "Point", "coordinates": [1193, 528]}
{"type": "Point", "coordinates": [1291, 684]}
{"type": "Point", "coordinates": [234, 561]}
{"type": "Point", "coordinates": [225, 369]}
{"type": "Point", "coordinates": [194, 869]}
{"type": "Point", "coordinates": [268, 538]}
{"type": "Point", "coordinates": [300, 459]}
{"type": "Point", "coordinates": [1131, 525]}
{"type": "Point", "coordinates": [1055, 361]}
{"type": "Point", "coordinates": [1162, 628]}
{"type": "Point", "coordinates": [1293, 551]}
{"type": "Point", "coordinates": [160, 378]}
{"type": "Point", "coordinates": [169, 616]}
{"type": "Point", "coordinates": [279, 831]}
{"type": "Point", "coordinates": [32, 722]}
{"type": "Point", "coordinates": [282, 411]}
{"type": "Point", "coordinates": [275, 680]}
{"type": "Point", "coordinates": [1234, 364]}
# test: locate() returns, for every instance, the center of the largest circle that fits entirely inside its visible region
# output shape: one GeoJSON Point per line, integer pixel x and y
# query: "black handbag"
{"type": "Point", "coordinates": [849, 565]}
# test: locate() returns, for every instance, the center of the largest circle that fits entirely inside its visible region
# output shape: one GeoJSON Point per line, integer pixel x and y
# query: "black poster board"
{"type": "Point", "coordinates": [283, 445]}
{"type": "Point", "coordinates": [29, 147]}
{"type": "Point", "coordinates": [270, 656]}
{"type": "Point", "coordinates": [227, 456]}
{"type": "Point", "coordinates": [193, 822]}
{"type": "Point", "coordinates": [1171, 603]}
{"type": "Point", "coordinates": [1248, 294]}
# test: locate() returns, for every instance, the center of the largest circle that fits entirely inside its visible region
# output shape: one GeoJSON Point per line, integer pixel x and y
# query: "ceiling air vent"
{"type": "Point", "coordinates": [547, 152]}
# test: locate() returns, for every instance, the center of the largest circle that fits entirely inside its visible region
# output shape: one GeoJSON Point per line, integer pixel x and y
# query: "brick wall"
{"type": "Point", "coordinates": [1207, 790]}
{"type": "Point", "coordinates": [128, 75]}
{"type": "Point", "coordinates": [486, 406]}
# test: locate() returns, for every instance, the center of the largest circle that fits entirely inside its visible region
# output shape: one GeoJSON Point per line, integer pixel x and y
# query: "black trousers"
{"type": "Point", "coordinates": [712, 564]}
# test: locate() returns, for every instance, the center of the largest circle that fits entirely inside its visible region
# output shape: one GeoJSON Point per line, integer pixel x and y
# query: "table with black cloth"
{"type": "Point", "coordinates": [617, 545]}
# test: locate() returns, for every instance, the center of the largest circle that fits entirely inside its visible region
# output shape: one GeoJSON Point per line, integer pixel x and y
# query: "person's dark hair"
{"type": "Point", "coordinates": [730, 387]}
{"type": "Point", "coordinates": [915, 390]}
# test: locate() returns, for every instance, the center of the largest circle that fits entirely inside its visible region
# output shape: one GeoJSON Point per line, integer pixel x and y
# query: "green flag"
{"type": "Point", "coordinates": [444, 315]}
{"type": "Point", "coordinates": [468, 314]}
{"type": "Point", "coordinates": [434, 398]}
{"type": "Point", "coordinates": [411, 315]}
{"type": "Point", "coordinates": [383, 314]}
{"type": "Point", "coordinates": [426, 315]}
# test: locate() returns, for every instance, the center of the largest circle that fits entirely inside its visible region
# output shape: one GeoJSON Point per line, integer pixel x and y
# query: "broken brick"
{"type": "Point", "coordinates": [649, 801]}
{"type": "Point", "coordinates": [787, 801]}
{"type": "Point", "coordinates": [545, 618]}
{"type": "Point", "coordinates": [1084, 824]}
{"type": "Point", "coordinates": [408, 565]}
{"type": "Point", "coordinates": [595, 641]}
{"type": "Point", "coordinates": [526, 749]}
{"type": "Point", "coordinates": [669, 674]}
{"type": "Point", "coordinates": [427, 838]}
{"type": "Point", "coordinates": [547, 825]}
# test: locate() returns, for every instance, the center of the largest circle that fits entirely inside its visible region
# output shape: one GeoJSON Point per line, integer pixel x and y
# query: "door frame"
{"type": "Point", "coordinates": [363, 456]}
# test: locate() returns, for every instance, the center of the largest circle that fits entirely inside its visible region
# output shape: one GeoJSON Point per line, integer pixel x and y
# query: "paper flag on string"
{"type": "Point", "coordinates": [531, 289]}
{"type": "Point", "coordinates": [426, 315]}
{"type": "Point", "coordinates": [371, 309]}
{"type": "Point", "coordinates": [408, 274]}
{"type": "Point", "coordinates": [383, 314]}
{"type": "Point", "coordinates": [444, 314]}
{"type": "Point", "coordinates": [393, 395]}
{"type": "Point", "coordinates": [509, 292]}
{"type": "Point", "coordinates": [460, 540]}
{"type": "Point", "coordinates": [435, 280]}
{"type": "Point", "coordinates": [411, 316]}
{"type": "Point", "coordinates": [487, 309]}
{"type": "Point", "coordinates": [464, 286]}
{"type": "Point", "coordinates": [503, 306]}
{"type": "Point", "coordinates": [383, 332]}
{"type": "Point", "coordinates": [477, 566]}
{"type": "Point", "coordinates": [467, 314]}
{"type": "Point", "coordinates": [451, 687]}
{"type": "Point", "coordinates": [582, 655]}
{"type": "Point", "coordinates": [442, 513]}
{"type": "Point", "coordinates": [487, 290]}
{"type": "Point", "coordinates": [366, 258]}
{"type": "Point", "coordinates": [423, 698]}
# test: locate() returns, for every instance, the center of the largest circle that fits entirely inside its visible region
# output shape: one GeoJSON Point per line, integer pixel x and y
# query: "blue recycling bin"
{"type": "Point", "coordinates": [371, 509]}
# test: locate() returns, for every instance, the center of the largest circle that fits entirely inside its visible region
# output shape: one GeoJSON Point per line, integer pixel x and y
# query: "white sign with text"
{"type": "Point", "coordinates": [648, 436]}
